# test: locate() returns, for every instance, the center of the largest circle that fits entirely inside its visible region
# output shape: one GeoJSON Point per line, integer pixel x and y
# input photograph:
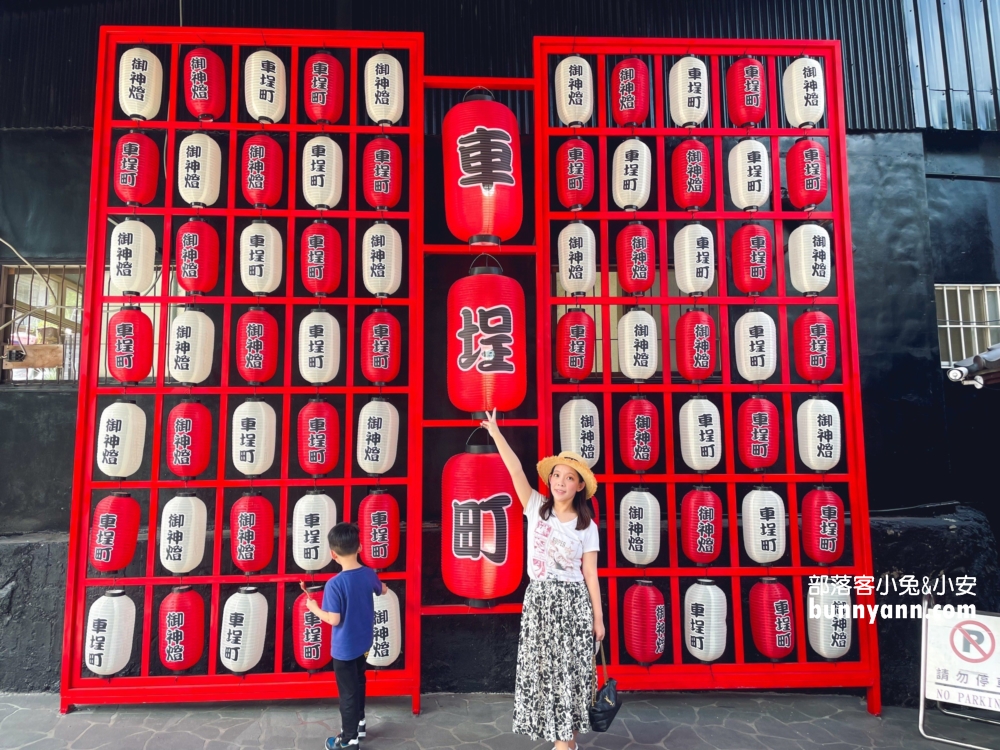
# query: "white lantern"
{"type": "Point", "coordinates": [694, 259]}
{"type": "Point", "coordinates": [264, 86]}
{"type": "Point", "coordinates": [818, 426]}
{"type": "Point", "coordinates": [133, 255]}
{"type": "Point", "coordinates": [314, 515]}
{"type": "Point", "coordinates": [829, 620]}
{"type": "Point", "coordinates": [322, 172]}
{"type": "Point", "coordinates": [756, 346]}
{"type": "Point", "coordinates": [631, 173]}
{"type": "Point", "coordinates": [387, 636]}
{"type": "Point", "coordinates": [701, 434]}
{"type": "Point", "coordinates": [749, 175]}
{"type": "Point", "coordinates": [244, 628]}
{"type": "Point", "coordinates": [199, 169]}
{"type": "Point", "coordinates": [580, 430]}
{"type": "Point", "coordinates": [639, 527]}
{"type": "Point", "coordinates": [384, 89]}
{"type": "Point", "coordinates": [183, 522]}
{"type": "Point", "coordinates": [763, 526]}
{"type": "Point", "coordinates": [110, 630]}
{"type": "Point", "coordinates": [637, 347]}
{"type": "Point", "coordinates": [253, 436]}
{"type": "Point", "coordinates": [705, 620]}
{"type": "Point", "coordinates": [810, 258]}
{"type": "Point", "coordinates": [803, 91]}
{"type": "Point", "coordinates": [577, 258]}
{"type": "Point", "coordinates": [121, 436]}
{"type": "Point", "coordinates": [688, 86]}
{"type": "Point", "coordinates": [574, 84]}
{"type": "Point", "coordinates": [378, 436]}
{"type": "Point", "coordinates": [381, 259]}
{"type": "Point", "coordinates": [319, 347]}
{"type": "Point", "coordinates": [261, 256]}
{"type": "Point", "coordinates": [140, 83]}
{"type": "Point", "coordinates": [192, 346]}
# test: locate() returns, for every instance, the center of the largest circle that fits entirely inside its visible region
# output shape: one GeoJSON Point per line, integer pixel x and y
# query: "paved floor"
{"type": "Point", "coordinates": [678, 721]}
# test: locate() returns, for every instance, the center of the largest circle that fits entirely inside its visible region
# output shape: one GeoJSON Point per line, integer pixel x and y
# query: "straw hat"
{"type": "Point", "coordinates": [573, 461]}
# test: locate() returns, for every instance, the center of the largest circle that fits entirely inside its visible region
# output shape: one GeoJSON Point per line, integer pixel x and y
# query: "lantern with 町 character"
{"type": "Point", "coordinates": [815, 346]}
{"type": "Point", "coordinates": [319, 437]}
{"type": "Point", "coordinates": [805, 174]}
{"type": "Point", "coordinates": [137, 168]}
{"type": "Point", "coordinates": [130, 345]}
{"type": "Point", "coordinates": [771, 619]}
{"type": "Point", "coordinates": [823, 525]}
{"type": "Point", "coordinates": [109, 634]}
{"type": "Point", "coordinates": [244, 630]}
{"type": "Point", "coordinates": [321, 258]}
{"type": "Point", "coordinates": [757, 433]}
{"type": "Point", "coordinates": [311, 636]}
{"type": "Point", "coordinates": [378, 522]}
{"type": "Point", "coordinates": [264, 86]}
{"type": "Point", "coordinates": [575, 175]}
{"type": "Point", "coordinates": [751, 258]}
{"type": "Point", "coordinates": [575, 342]}
{"type": "Point", "coordinates": [746, 92]}
{"type": "Point", "coordinates": [323, 88]}
{"type": "Point", "coordinates": [114, 532]}
{"type": "Point", "coordinates": [382, 173]}
{"type": "Point", "coordinates": [381, 347]}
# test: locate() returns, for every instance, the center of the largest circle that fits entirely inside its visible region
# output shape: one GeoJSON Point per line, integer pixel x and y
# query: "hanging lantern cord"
{"type": "Point", "coordinates": [477, 88]}
{"type": "Point", "coordinates": [484, 255]}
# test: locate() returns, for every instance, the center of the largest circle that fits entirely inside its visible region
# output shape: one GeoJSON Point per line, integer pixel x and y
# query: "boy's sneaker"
{"type": "Point", "coordinates": [362, 729]}
{"type": "Point", "coordinates": [335, 743]}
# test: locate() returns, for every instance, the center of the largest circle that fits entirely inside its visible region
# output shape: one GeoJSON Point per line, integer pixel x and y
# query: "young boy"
{"type": "Point", "coordinates": [348, 606]}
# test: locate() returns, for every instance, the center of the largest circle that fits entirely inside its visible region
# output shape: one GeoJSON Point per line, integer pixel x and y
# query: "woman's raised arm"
{"type": "Point", "coordinates": [521, 484]}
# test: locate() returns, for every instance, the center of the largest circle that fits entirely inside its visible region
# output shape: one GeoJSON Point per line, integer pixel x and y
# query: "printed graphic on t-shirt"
{"type": "Point", "coordinates": [552, 550]}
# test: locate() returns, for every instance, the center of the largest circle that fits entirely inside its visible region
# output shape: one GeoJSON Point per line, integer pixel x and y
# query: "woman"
{"type": "Point", "coordinates": [562, 612]}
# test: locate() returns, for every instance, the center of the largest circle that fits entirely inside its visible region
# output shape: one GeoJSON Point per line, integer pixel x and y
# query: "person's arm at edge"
{"type": "Point", "coordinates": [521, 484]}
{"type": "Point", "coordinates": [590, 576]}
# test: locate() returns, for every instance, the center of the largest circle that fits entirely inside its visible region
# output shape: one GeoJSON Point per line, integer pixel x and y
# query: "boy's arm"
{"type": "Point", "coordinates": [380, 588]}
{"type": "Point", "coordinates": [330, 618]}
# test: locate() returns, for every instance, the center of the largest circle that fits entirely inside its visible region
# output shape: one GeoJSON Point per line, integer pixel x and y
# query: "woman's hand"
{"type": "Point", "coordinates": [599, 628]}
{"type": "Point", "coordinates": [490, 424]}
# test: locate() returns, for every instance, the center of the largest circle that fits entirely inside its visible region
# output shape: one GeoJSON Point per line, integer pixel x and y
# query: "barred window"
{"type": "Point", "coordinates": [968, 319]}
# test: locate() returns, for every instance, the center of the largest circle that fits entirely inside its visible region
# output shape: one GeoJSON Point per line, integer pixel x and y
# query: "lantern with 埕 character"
{"type": "Point", "coordinates": [313, 517]}
{"type": "Point", "coordinates": [695, 345]}
{"type": "Point", "coordinates": [384, 89]}
{"type": "Point", "coordinates": [805, 174]}
{"type": "Point", "coordinates": [577, 258]}
{"type": "Point", "coordinates": [819, 435]}
{"type": "Point", "coordinates": [575, 342]}
{"type": "Point", "coordinates": [377, 436]}
{"type": "Point", "coordinates": [311, 636]}
{"type": "Point", "coordinates": [823, 525]}
{"type": "Point", "coordinates": [704, 619]}
{"type": "Point", "coordinates": [251, 532]}
{"type": "Point", "coordinates": [635, 252]}
{"type": "Point", "coordinates": [639, 527]}
{"type": "Point", "coordinates": [691, 174]}
{"type": "Point", "coordinates": [260, 257]}
{"type": "Point", "coordinates": [253, 434]}
{"type": "Point", "coordinates": [140, 83]}
{"type": "Point", "coordinates": [757, 433]}
{"type": "Point", "coordinates": [700, 433]}
{"type": "Point", "coordinates": [575, 174]}
{"type": "Point", "coordinates": [323, 88]}
{"type": "Point", "coordinates": [121, 437]}
{"type": "Point", "coordinates": [244, 630]}
{"type": "Point", "coordinates": [257, 346]}
{"type": "Point", "coordinates": [130, 345]}
{"type": "Point", "coordinates": [751, 259]}
{"type": "Point", "coordinates": [199, 170]}
{"type": "Point", "coordinates": [378, 522]}
{"type": "Point", "coordinates": [803, 92]}
{"type": "Point", "coordinates": [322, 172]}
{"type": "Point", "coordinates": [263, 171]}
{"type": "Point", "coordinates": [639, 434]}
{"type": "Point", "coordinates": [580, 429]}
{"type": "Point", "coordinates": [746, 92]}
{"type": "Point", "coordinates": [756, 346]}
{"type": "Point", "coordinates": [197, 256]}
{"type": "Point", "coordinates": [110, 630]}
{"type": "Point", "coordinates": [319, 437]}
{"type": "Point", "coordinates": [319, 347]}
{"type": "Point", "coordinates": [815, 346]}
{"type": "Point", "coordinates": [645, 619]}
{"type": "Point", "coordinates": [182, 629]}
{"type": "Point", "coordinates": [771, 619]}
{"type": "Point", "coordinates": [763, 526]}
{"type": "Point", "coordinates": [631, 174]}
{"type": "Point", "coordinates": [630, 92]}
{"type": "Point", "coordinates": [133, 254]}
{"type": "Point", "coordinates": [701, 526]}
{"type": "Point", "coordinates": [137, 168]}
{"type": "Point", "coordinates": [381, 347]}
{"type": "Point", "coordinates": [688, 92]}
{"type": "Point", "coordinates": [694, 259]}
{"type": "Point", "coordinates": [382, 173]}
{"type": "Point", "coordinates": [321, 258]}
{"type": "Point", "coordinates": [204, 77]}
{"type": "Point", "coordinates": [264, 86]}
{"type": "Point", "coordinates": [574, 91]}
{"type": "Point", "coordinates": [749, 175]}
{"type": "Point", "coordinates": [189, 439]}
{"type": "Point", "coordinates": [114, 532]}
{"type": "Point", "coordinates": [183, 522]}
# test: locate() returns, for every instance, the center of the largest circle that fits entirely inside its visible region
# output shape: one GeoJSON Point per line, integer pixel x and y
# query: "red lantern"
{"type": "Point", "coordinates": [691, 174]}
{"type": "Point", "coordinates": [482, 547]}
{"type": "Point", "coordinates": [204, 84]}
{"type": "Point", "coordinates": [114, 532]}
{"type": "Point", "coordinates": [381, 347]}
{"type": "Point", "coordinates": [575, 174]}
{"type": "Point", "coordinates": [323, 88]}
{"type": "Point", "coordinates": [256, 346]}
{"type": "Point", "coordinates": [487, 355]}
{"type": "Point", "coordinates": [482, 171]}
{"type": "Point", "coordinates": [635, 251]}
{"type": "Point", "coordinates": [695, 342]}
{"type": "Point", "coordinates": [251, 532]}
{"type": "Point", "coordinates": [701, 526]}
{"type": "Point", "coordinates": [382, 171]}
{"type": "Point", "coordinates": [263, 171]}
{"type": "Point", "coordinates": [197, 256]}
{"type": "Point", "coordinates": [311, 636]}
{"type": "Point", "coordinates": [189, 439]}
{"type": "Point", "coordinates": [130, 345]}
{"type": "Point", "coordinates": [321, 258]}
{"type": "Point", "coordinates": [752, 259]}
{"type": "Point", "coordinates": [319, 437]}
{"type": "Point", "coordinates": [815, 346]}
{"type": "Point", "coordinates": [645, 622]}
{"type": "Point", "coordinates": [639, 434]}
{"type": "Point", "coordinates": [378, 521]}
{"type": "Point", "coordinates": [746, 92]}
{"type": "Point", "coordinates": [757, 433]}
{"type": "Point", "coordinates": [182, 629]}
{"type": "Point", "coordinates": [630, 92]}
{"type": "Point", "coordinates": [137, 168]}
{"type": "Point", "coordinates": [823, 526]}
{"type": "Point", "coordinates": [771, 619]}
{"type": "Point", "coordinates": [575, 342]}
{"type": "Point", "coordinates": [805, 174]}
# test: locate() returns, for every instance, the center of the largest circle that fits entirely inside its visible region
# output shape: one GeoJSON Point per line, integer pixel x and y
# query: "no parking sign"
{"type": "Point", "coordinates": [961, 661]}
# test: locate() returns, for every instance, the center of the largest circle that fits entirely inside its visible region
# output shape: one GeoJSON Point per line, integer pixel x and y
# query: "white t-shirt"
{"type": "Point", "coordinates": [555, 549]}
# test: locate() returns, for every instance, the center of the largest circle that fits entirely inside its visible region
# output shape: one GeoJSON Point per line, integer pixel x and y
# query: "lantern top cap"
{"type": "Point", "coordinates": [121, 493]}
{"type": "Point", "coordinates": [180, 589]}
{"type": "Point", "coordinates": [705, 581]}
{"type": "Point", "coordinates": [115, 592]}
{"type": "Point", "coordinates": [248, 589]}
{"type": "Point", "coordinates": [378, 491]}
{"type": "Point", "coordinates": [643, 582]}
{"type": "Point", "coordinates": [478, 94]}
{"type": "Point", "coordinates": [573, 461]}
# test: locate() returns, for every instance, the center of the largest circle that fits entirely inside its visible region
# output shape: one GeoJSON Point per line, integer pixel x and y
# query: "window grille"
{"type": "Point", "coordinates": [968, 318]}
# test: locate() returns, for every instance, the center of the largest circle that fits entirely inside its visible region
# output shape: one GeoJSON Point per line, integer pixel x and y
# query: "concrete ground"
{"type": "Point", "coordinates": [678, 721]}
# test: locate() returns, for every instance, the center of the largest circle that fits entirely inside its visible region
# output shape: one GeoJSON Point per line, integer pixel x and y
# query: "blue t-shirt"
{"type": "Point", "coordinates": [349, 593]}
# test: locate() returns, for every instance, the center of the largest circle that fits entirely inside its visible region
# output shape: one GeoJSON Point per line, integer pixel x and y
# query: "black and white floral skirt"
{"type": "Point", "coordinates": [555, 669]}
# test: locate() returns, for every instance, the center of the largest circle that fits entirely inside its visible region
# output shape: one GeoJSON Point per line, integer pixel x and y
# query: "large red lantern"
{"type": "Point", "coordinates": [189, 439]}
{"type": "Point", "coordinates": [487, 354]}
{"type": "Point", "coordinates": [263, 171]}
{"type": "Point", "coordinates": [382, 173]}
{"type": "Point", "coordinates": [321, 258]}
{"type": "Point", "coordinates": [645, 622]}
{"type": "Point", "coordinates": [771, 619]}
{"type": "Point", "coordinates": [482, 547]}
{"type": "Point", "coordinates": [752, 259]}
{"type": "Point", "coordinates": [311, 637]}
{"type": "Point", "coordinates": [701, 526]}
{"type": "Point", "coordinates": [381, 347]}
{"type": "Point", "coordinates": [482, 171]}
{"type": "Point", "coordinates": [251, 532]}
{"type": "Point", "coordinates": [575, 342]}
{"type": "Point", "coordinates": [691, 174]}
{"type": "Point", "coordinates": [137, 168]}
{"type": "Point", "coordinates": [182, 629]}
{"type": "Point", "coordinates": [197, 260]}
{"type": "Point", "coordinates": [639, 434]}
{"type": "Point", "coordinates": [319, 437]}
{"type": "Point", "coordinates": [757, 433]}
{"type": "Point", "coordinates": [823, 525]}
{"type": "Point", "coordinates": [805, 174]}
{"type": "Point", "coordinates": [695, 342]}
{"type": "Point", "coordinates": [630, 92]}
{"type": "Point", "coordinates": [204, 84]}
{"type": "Point", "coordinates": [256, 346]}
{"type": "Point", "coordinates": [575, 174]}
{"type": "Point", "coordinates": [378, 522]}
{"type": "Point", "coordinates": [746, 92]}
{"type": "Point", "coordinates": [130, 345]}
{"type": "Point", "coordinates": [323, 88]}
{"type": "Point", "coordinates": [114, 532]}
{"type": "Point", "coordinates": [815, 346]}
{"type": "Point", "coordinates": [635, 252]}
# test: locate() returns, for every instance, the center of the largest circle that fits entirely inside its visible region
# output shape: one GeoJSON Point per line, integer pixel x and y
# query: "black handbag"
{"type": "Point", "coordinates": [606, 702]}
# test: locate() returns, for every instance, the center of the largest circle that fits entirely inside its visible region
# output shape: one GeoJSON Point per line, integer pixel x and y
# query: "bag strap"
{"type": "Point", "coordinates": [604, 663]}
